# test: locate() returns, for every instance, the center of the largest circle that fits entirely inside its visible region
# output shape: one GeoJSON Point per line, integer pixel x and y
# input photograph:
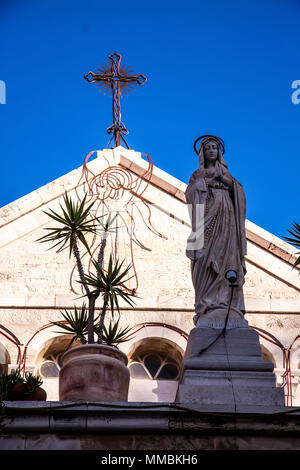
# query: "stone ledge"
{"type": "Point", "coordinates": [53, 416]}
{"type": "Point", "coordinates": [145, 426]}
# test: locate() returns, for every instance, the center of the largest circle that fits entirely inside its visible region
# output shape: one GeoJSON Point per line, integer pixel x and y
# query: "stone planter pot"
{"type": "Point", "coordinates": [18, 392]}
{"type": "Point", "coordinates": [39, 394]}
{"type": "Point", "coordinates": [94, 372]}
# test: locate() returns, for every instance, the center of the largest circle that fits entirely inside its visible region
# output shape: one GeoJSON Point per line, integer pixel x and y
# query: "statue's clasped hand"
{"type": "Point", "coordinates": [219, 174]}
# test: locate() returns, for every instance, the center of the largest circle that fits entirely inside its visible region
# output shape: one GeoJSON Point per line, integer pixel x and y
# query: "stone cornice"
{"type": "Point", "coordinates": [120, 416]}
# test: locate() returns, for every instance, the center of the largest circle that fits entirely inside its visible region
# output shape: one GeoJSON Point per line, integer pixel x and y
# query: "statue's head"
{"type": "Point", "coordinates": [211, 149]}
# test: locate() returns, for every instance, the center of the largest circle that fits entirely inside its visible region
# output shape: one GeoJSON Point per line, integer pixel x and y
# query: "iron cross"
{"type": "Point", "coordinates": [116, 79]}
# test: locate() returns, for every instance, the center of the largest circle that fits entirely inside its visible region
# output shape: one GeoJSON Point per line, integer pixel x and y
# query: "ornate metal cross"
{"type": "Point", "coordinates": [116, 79]}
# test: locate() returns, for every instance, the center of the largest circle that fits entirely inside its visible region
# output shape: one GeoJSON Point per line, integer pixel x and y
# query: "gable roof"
{"type": "Point", "coordinates": [25, 214]}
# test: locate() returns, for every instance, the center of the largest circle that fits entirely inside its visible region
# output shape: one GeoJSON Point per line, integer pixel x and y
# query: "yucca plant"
{"type": "Point", "coordinates": [295, 232]}
{"type": "Point", "coordinates": [111, 285]}
{"type": "Point", "coordinates": [113, 334]}
{"type": "Point", "coordinates": [74, 324]}
{"type": "Point", "coordinates": [74, 223]}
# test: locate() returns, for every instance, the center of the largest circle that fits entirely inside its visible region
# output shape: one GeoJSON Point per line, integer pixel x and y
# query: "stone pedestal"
{"type": "Point", "coordinates": [227, 372]}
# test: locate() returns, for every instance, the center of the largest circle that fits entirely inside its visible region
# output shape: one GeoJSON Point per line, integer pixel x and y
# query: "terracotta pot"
{"type": "Point", "coordinates": [39, 394]}
{"type": "Point", "coordinates": [19, 391]}
{"type": "Point", "coordinates": [94, 372]}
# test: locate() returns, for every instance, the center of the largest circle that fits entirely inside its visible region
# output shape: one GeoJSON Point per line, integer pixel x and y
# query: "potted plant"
{"type": "Point", "coordinates": [10, 381]}
{"type": "Point", "coordinates": [75, 324]}
{"type": "Point", "coordinates": [114, 335]}
{"type": "Point", "coordinates": [14, 387]}
{"type": "Point", "coordinates": [93, 371]}
{"type": "Point", "coordinates": [34, 390]}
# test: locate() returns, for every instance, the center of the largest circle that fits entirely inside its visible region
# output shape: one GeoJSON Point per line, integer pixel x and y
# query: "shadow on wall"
{"type": "Point", "coordinates": [144, 390]}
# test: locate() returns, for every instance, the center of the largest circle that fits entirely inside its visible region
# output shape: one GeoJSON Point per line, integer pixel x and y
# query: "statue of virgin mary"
{"type": "Point", "coordinates": [223, 245]}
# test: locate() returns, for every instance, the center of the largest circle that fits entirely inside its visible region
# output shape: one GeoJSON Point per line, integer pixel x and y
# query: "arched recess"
{"type": "Point", "coordinates": [296, 358]}
{"type": "Point", "coordinates": [48, 363]}
{"type": "Point", "coordinates": [271, 347]}
{"type": "Point", "coordinates": [10, 339]}
{"type": "Point", "coordinates": [294, 348]}
{"type": "Point", "coordinates": [155, 355]}
{"type": "Point", "coordinates": [296, 400]}
{"type": "Point", "coordinates": [155, 330]}
{"type": "Point", "coordinates": [155, 359]}
{"type": "Point", "coordinates": [267, 355]}
{"type": "Point", "coordinates": [4, 359]}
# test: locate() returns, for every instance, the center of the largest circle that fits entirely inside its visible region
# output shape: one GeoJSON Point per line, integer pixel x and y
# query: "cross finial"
{"type": "Point", "coordinates": [116, 79]}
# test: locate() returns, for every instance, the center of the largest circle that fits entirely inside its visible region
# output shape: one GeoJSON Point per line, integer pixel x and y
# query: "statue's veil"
{"type": "Point", "coordinates": [220, 160]}
{"type": "Point", "coordinates": [198, 196]}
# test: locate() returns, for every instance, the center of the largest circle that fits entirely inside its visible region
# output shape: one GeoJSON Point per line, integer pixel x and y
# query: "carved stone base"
{"type": "Point", "coordinates": [215, 316]}
{"type": "Point", "coordinates": [228, 375]}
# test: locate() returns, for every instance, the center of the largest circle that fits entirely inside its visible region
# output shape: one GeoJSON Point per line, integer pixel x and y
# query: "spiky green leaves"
{"type": "Point", "coordinates": [75, 222]}
{"type": "Point", "coordinates": [106, 225]}
{"type": "Point", "coordinates": [7, 382]}
{"type": "Point", "coordinates": [295, 231]}
{"type": "Point", "coordinates": [114, 334]}
{"type": "Point", "coordinates": [33, 381]}
{"type": "Point", "coordinates": [77, 324]}
{"type": "Point", "coordinates": [111, 283]}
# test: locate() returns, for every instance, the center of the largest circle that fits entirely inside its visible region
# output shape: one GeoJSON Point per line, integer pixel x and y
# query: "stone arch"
{"type": "Point", "coordinates": [296, 361]}
{"type": "Point", "coordinates": [4, 359]}
{"type": "Point", "coordinates": [155, 330]}
{"type": "Point", "coordinates": [47, 362]}
{"type": "Point", "coordinates": [267, 355]}
{"type": "Point", "coordinates": [52, 347]}
{"type": "Point", "coordinates": [155, 359]}
{"type": "Point", "coordinates": [163, 344]}
{"type": "Point", "coordinates": [295, 353]}
{"type": "Point", "coordinates": [271, 347]}
{"type": "Point", "coordinates": [296, 367]}
{"type": "Point", "coordinates": [12, 344]}
{"type": "Point", "coordinates": [40, 338]}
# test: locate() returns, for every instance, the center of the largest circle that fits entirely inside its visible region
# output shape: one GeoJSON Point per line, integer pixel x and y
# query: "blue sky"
{"type": "Point", "coordinates": [217, 67]}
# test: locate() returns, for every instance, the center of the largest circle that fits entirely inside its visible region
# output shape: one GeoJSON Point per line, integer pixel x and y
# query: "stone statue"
{"type": "Point", "coordinates": [222, 228]}
{"type": "Point", "coordinates": [223, 368]}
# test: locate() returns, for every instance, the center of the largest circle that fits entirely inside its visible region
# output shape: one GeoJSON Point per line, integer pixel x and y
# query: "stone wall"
{"type": "Point", "coordinates": [36, 282]}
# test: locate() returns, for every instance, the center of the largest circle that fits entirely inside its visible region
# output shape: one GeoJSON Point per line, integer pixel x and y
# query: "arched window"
{"type": "Point", "coordinates": [49, 363]}
{"type": "Point", "coordinates": [154, 366]}
{"type": "Point", "coordinates": [155, 359]}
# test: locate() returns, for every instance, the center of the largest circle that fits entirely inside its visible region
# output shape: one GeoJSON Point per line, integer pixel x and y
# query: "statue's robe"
{"type": "Point", "coordinates": [224, 244]}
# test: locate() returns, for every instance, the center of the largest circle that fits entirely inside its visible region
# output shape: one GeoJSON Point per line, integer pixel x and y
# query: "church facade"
{"type": "Point", "coordinates": [38, 284]}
